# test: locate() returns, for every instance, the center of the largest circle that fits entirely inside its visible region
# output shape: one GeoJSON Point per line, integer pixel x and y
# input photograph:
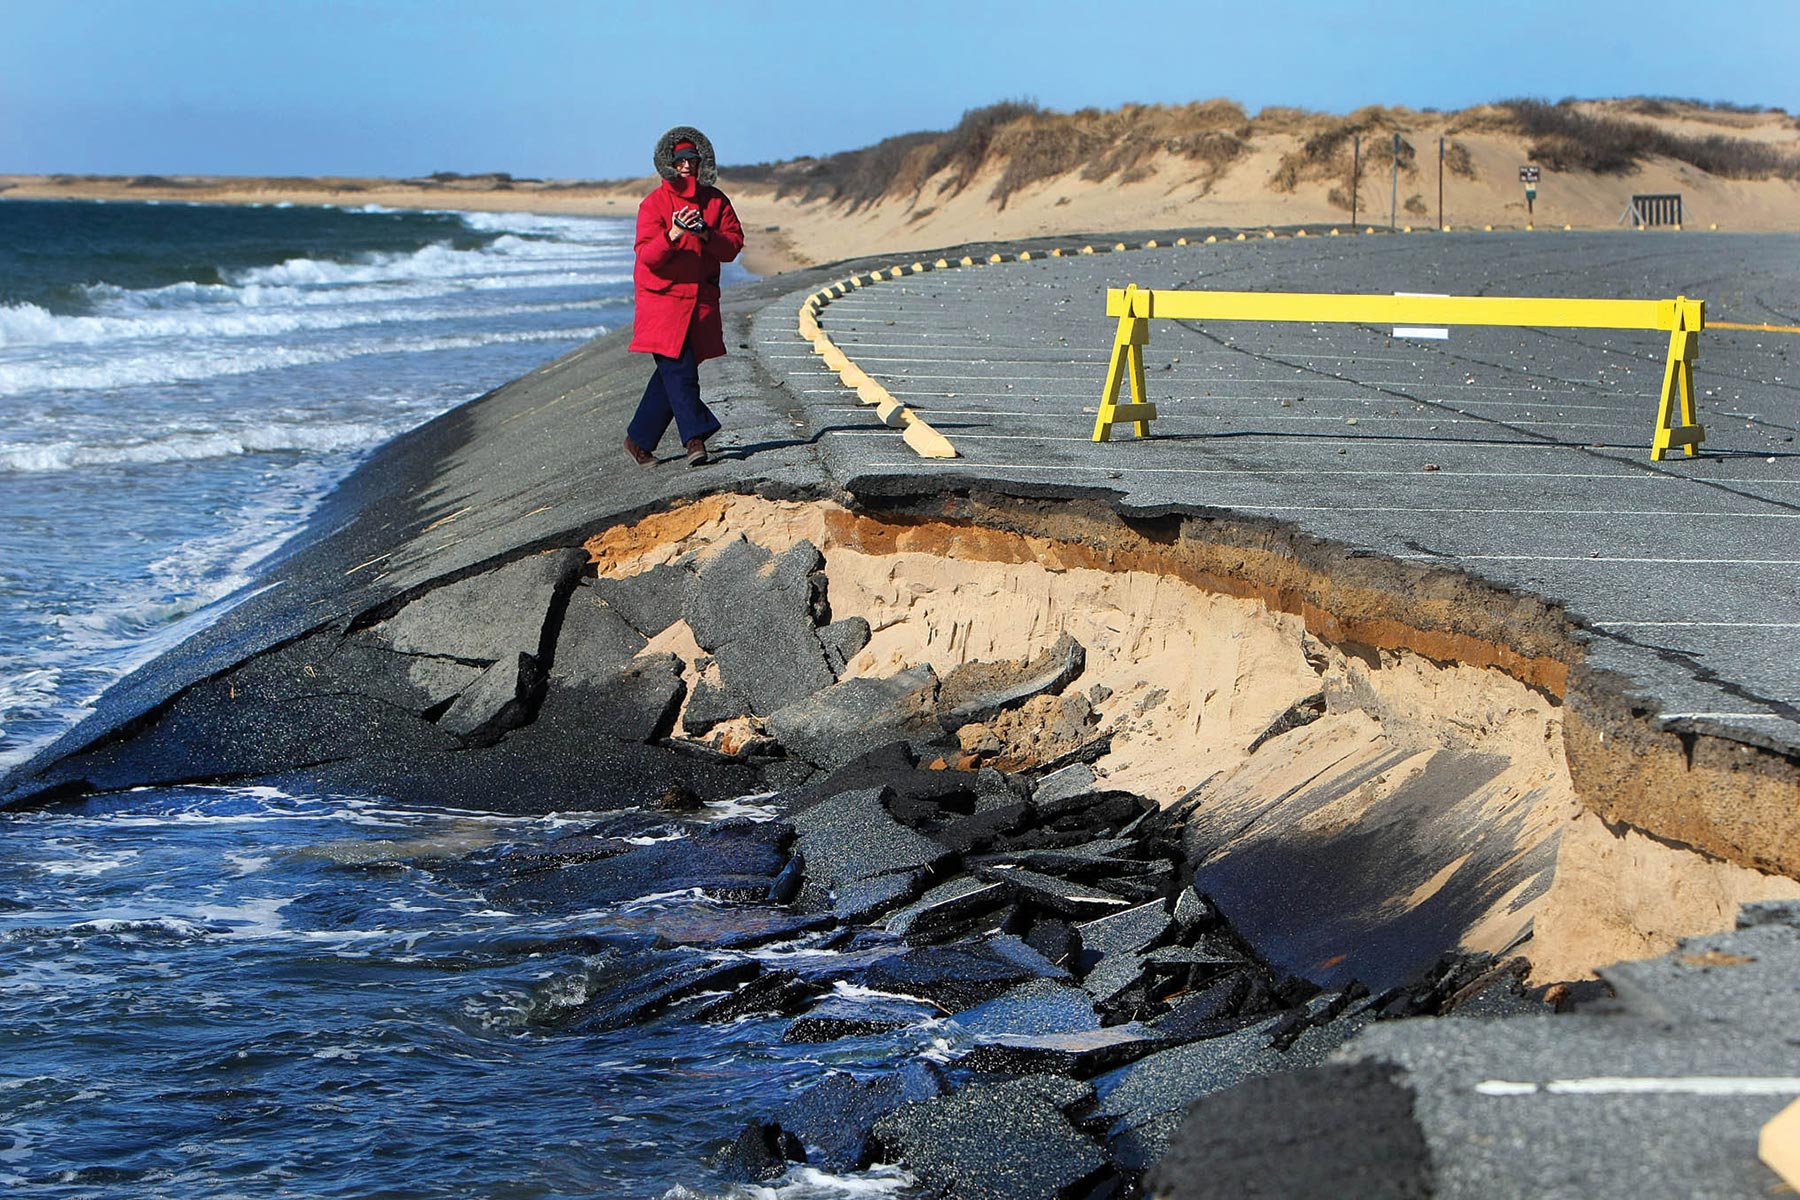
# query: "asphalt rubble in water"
{"type": "Point", "coordinates": [1043, 933]}
{"type": "Point", "coordinates": [1043, 928]}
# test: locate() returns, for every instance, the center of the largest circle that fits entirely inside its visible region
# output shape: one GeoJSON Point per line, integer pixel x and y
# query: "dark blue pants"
{"type": "Point", "coordinates": [673, 392]}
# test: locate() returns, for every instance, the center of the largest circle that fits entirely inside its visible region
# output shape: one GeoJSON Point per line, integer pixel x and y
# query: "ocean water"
{"type": "Point", "coordinates": [236, 992]}
{"type": "Point", "coordinates": [223, 993]}
{"type": "Point", "coordinates": [180, 384]}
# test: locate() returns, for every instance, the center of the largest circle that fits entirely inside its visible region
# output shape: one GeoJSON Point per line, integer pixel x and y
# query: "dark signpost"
{"type": "Point", "coordinates": [1394, 197]}
{"type": "Point", "coordinates": [1440, 183]}
{"type": "Point", "coordinates": [1529, 177]}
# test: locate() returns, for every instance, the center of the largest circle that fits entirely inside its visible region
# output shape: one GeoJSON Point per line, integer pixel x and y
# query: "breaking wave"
{"type": "Point", "coordinates": [187, 447]}
{"type": "Point", "coordinates": [190, 365]}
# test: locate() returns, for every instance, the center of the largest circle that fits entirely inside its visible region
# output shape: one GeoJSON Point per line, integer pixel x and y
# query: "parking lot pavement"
{"type": "Point", "coordinates": [1662, 1094]}
{"type": "Point", "coordinates": [1517, 455]}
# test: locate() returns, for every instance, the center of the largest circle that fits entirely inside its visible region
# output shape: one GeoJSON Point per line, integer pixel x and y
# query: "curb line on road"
{"type": "Point", "coordinates": [918, 433]}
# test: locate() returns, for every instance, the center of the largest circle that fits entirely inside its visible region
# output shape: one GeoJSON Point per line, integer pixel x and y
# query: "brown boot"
{"type": "Point", "coordinates": [639, 455]}
{"type": "Point", "coordinates": [696, 453]}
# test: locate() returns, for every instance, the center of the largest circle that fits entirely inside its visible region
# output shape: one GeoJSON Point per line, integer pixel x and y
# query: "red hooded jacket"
{"type": "Point", "coordinates": [678, 282]}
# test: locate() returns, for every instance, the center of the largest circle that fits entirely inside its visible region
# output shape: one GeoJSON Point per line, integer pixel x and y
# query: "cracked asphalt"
{"type": "Point", "coordinates": [1517, 455]}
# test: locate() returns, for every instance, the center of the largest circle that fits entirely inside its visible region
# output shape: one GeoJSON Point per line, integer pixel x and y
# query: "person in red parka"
{"type": "Point", "coordinates": [685, 229]}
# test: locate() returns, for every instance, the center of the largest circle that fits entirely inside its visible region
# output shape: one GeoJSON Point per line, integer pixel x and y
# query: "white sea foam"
{"type": "Point", "coordinates": [85, 860]}
{"type": "Point", "coordinates": [192, 365]}
{"type": "Point", "coordinates": [652, 839]}
{"type": "Point", "coordinates": [131, 929]}
{"type": "Point", "coordinates": [750, 806]}
{"type": "Point", "coordinates": [244, 313]}
{"type": "Point", "coordinates": [856, 991]}
{"type": "Point", "coordinates": [810, 1183]}
{"type": "Point", "coordinates": [25, 688]}
{"type": "Point", "coordinates": [507, 255]}
{"type": "Point", "coordinates": [187, 447]}
{"type": "Point", "coordinates": [593, 231]}
{"type": "Point", "coordinates": [248, 864]}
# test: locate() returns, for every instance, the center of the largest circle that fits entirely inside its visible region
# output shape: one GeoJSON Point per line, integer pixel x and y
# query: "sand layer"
{"type": "Point", "coordinates": [1277, 730]}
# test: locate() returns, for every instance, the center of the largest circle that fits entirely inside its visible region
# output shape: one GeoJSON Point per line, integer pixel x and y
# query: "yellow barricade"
{"type": "Point", "coordinates": [1681, 318]}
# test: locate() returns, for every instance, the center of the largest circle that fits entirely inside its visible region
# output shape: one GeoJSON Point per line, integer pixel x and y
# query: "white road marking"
{"type": "Point", "coordinates": [1725, 716]}
{"type": "Point", "coordinates": [855, 349]}
{"type": "Point", "coordinates": [1089, 395]}
{"type": "Point", "coordinates": [1585, 558]}
{"type": "Point", "coordinates": [1516, 512]}
{"type": "Point", "coordinates": [1177, 416]}
{"type": "Point", "coordinates": [1679, 1085]}
{"type": "Point", "coordinates": [1040, 378]}
{"type": "Point", "coordinates": [1240, 473]}
{"type": "Point", "coordinates": [1699, 624]}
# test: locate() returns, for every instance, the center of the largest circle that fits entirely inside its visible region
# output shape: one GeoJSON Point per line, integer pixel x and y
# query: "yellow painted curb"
{"type": "Point", "coordinates": [918, 433]}
{"type": "Point", "coordinates": [926, 441]}
{"type": "Point", "coordinates": [1779, 1144]}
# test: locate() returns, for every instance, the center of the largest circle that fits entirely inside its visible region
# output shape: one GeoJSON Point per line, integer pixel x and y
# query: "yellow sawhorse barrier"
{"type": "Point", "coordinates": [1681, 318]}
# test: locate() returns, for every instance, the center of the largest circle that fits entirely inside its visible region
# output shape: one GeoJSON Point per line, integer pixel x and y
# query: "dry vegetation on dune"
{"type": "Point", "coordinates": [1017, 144]}
{"type": "Point", "coordinates": [1565, 136]}
{"type": "Point", "coordinates": [1025, 145]}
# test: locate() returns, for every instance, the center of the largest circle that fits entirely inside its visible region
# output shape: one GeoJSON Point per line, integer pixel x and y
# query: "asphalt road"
{"type": "Point", "coordinates": [1661, 1096]}
{"type": "Point", "coordinates": [1517, 455]}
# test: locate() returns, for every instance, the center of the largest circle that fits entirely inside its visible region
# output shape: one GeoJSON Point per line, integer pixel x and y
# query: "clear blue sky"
{"type": "Point", "coordinates": [580, 88]}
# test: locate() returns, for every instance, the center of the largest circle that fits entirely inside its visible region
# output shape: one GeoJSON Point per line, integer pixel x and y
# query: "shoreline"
{"type": "Point", "coordinates": [766, 252]}
{"type": "Point", "coordinates": [786, 232]}
{"type": "Point", "coordinates": [458, 473]}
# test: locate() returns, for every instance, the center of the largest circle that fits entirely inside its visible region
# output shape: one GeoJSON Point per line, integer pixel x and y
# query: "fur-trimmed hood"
{"type": "Point", "coordinates": [665, 150]}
